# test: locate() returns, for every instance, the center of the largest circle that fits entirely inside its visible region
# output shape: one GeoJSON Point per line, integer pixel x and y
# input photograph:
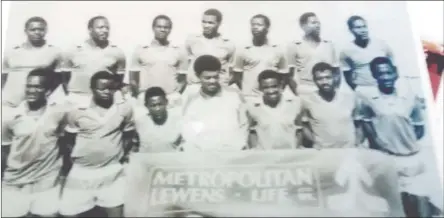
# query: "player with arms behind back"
{"type": "Point", "coordinates": [36, 52]}
{"type": "Point", "coordinates": [100, 132]}
{"type": "Point", "coordinates": [275, 118]}
{"type": "Point", "coordinates": [159, 64]}
{"type": "Point", "coordinates": [30, 151]}
{"type": "Point", "coordinates": [331, 117]}
{"type": "Point", "coordinates": [158, 125]}
{"type": "Point", "coordinates": [394, 121]}
{"type": "Point", "coordinates": [95, 54]}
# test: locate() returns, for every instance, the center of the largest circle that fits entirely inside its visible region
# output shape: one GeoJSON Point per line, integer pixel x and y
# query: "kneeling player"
{"type": "Point", "coordinates": [30, 132]}
{"type": "Point", "coordinates": [275, 119]}
{"type": "Point", "coordinates": [394, 122]}
{"type": "Point", "coordinates": [158, 128]}
{"type": "Point", "coordinates": [99, 129]}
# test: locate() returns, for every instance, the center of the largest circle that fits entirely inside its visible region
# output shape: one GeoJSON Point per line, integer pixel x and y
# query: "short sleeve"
{"type": "Point", "coordinates": [344, 61]}
{"type": "Point", "coordinates": [71, 122]}
{"type": "Point", "coordinates": [121, 61]}
{"type": "Point", "coordinates": [388, 50]}
{"type": "Point", "coordinates": [238, 64]}
{"type": "Point", "coordinates": [231, 53]}
{"type": "Point", "coordinates": [417, 114]}
{"type": "Point", "coordinates": [282, 64]}
{"type": "Point", "coordinates": [366, 113]}
{"type": "Point", "coordinates": [188, 47]}
{"type": "Point", "coordinates": [183, 62]}
{"type": "Point", "coordinates": [7, 134]}
{"type": "Point", "coordinates": [128, 121]}
{"type": "Point", "coordinates": [357, 114]}
{"type": "Point", "coordinates": [334, 56]}
{"type": "Point", "coordinates": [58, 61]}
{"type": "Point", "coordinates": [291, 54]}
{"type": "Point", "coordinates": [299, 114]}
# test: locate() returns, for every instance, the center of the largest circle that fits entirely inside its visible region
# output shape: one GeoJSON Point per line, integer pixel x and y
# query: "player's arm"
{"type": "Point", "coordinates": [182, 70]}
{"type": "Point", "coordinates": [129, 133]}
{"type": "Point", "coordinates": [230, 61]}
{"type": "Point", "coordinates": [66, 68]}
{"type": "Point", "coordinates": [347, 69]}
{"type": "Point", "coordinates": [307, 131]}
{"type": "Point", "coordinates": [357, 120]}
{"type": "Point", "coordinates": [133, 76]}
{"type": "Point", "coordinates": [252, 134]}
{"type": "Point", "coordinates": [7, 136]}
{"type": "Point", "coordinates": [369, 131]}
{"type": "Point", "coordinates": [121, 68]}
{"type": "Point", "coordinates": [290, 57]}
{"type": "Point", "coordinates": [417, 119]}
{"type": "Point", "coordinates": [299, 127]}
{"type": "Point", "coordinates": [238, 68]}
{"type": "Point", "coordinates": [67, 141]}
{"type": "Point", "coordinates": [244, 123]}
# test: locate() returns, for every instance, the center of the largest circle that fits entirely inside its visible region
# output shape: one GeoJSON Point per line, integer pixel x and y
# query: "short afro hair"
{"type": "Point", "coordinates": [206, 63]}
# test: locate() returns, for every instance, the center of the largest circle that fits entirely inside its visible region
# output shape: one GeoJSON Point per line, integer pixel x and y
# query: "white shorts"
{"type": "Point", "coordinates": [86, 188]}
{"type": "Point", "coordinates": [41, 198]}
{"type": "Point", "coordinates": [413, 174]}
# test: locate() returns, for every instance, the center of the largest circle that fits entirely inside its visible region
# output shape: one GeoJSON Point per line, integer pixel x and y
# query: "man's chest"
{"type": "Point", "coordinates": [47, 125]}
{"type": "Point", "coordinates": [216, 48]}
{"type": "Point", "coordinates": [337, 110]}
{"type": "Point", "coordinates": [151, 132]}
{"type": "Point", "coordinates": [264, 56]}
{"type": "Point", "coordinates": [361, 57]}
{"type": "Point", "coordinates": [267, 117]}
{"type": "Point", "coordinates": [94, 58]}
{"type": "Point", "coordinates": [90, 120]}
{"type": "Point", "coordinates": [155, 56]}
{"type": "Point", "coordinates": [392, 106]}
{"type": "Point", "coordinates": [306, 54]}
{"type": "Point", "coordinates": [32, 59]}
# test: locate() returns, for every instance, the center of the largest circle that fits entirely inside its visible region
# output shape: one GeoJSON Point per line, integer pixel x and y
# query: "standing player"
{"type": "Point", "coordinates": [101, 131]}
{"type": "Point", "coordinates": [276, 120]}
{"type": "Point", "coordinates": [157, 125]}
{"type": "Point", "coordinates": [304, 54]}
{"type": "Point", "coordinates": [30, 133]}
{"type": "Point", "coordinates": [210, 42]}
{"type": "Point", "coordinates": [261, 55]}
{"type": "Point", "coordinates": [215, 117]}
{"type": "Point", "coordinates": [34, 53]}
{"type": "Point", "coordinates": [159, 63]}
{"type": "Point", "coordinates": [95, 54]}
{"type": "Point", "coordinates": [331, 116]}
{"type": "Point", "coordinates": [394, 121]}
{"type": "Point", "coordinates": [356, 56]}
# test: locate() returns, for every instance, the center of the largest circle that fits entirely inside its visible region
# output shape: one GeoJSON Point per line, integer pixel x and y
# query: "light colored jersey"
{"type": "Point", "coordinates": [252, 60]}
{"type": "Point", "coordinates": [217, 123]}
{"type": "Point", "coordinates": [220, 47]}
{"type": "Point", "coordinates": [99, 136]}
{"type": "Point", "coordinates": [86, 59]}
{"type": "Point", "coordinates": [332, 123]}
{"type": "Point", "coordinates": [358, 60]}
{"type": "Point", "coordinates": [19, 61]}
{"type": "Point", "coordinates": [393, 118]}
{"type": "Point", "coordinates": [276, 127]}
{"type": "Point", "coordinates": [303, 56]}
{"type": "Point", "coordinates": [159, 66]}
{"type": "Point", "coordinates": [154, 137]}
{"type": "Point", "coordinates": [34, 153]}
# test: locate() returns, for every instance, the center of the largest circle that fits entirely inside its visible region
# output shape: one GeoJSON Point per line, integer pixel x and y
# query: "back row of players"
{"type": "Point", "coordinates": [179, 111]}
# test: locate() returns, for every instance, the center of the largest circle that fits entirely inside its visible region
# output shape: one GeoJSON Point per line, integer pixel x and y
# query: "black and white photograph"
{"type": "Point", "coordinates": [215, 109]}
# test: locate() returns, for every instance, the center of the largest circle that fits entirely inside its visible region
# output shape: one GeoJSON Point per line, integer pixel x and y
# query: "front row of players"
{"type": "Point", "coordinates": [99, 133]}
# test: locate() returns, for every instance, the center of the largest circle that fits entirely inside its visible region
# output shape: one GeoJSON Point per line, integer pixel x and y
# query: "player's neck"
{"type": "Point", "coordinates": [98, 43]}
{"type": "Point", "coordinates": [260, 40]}
{"type": "Point", "coordinates": [328, 96]}
{"type": "Point", "coordinates": [272, 104]}
{"type": "Point", "coordinates": [312, 38]}
{"type": "Point", "coordinates": [162, 42]}
{"type": "Point", "coordinates": [37, 106]}
{"type": "Point", "coordinates": [362, 42]}
{"type": "Point", "coordinates": [387, 90]}
{"type": "Point", "coordinates": [102, 103]}
{"type": "Point", "coordinates": [160, 121]}
{"type": "Point", "coordinates": [35, 44]}
{"type": "Point", "coordinates": [211, 35]}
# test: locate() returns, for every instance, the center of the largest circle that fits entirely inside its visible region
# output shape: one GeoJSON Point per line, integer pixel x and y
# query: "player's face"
{"type": "Point", "coordinates": [35, 89]}
{"type": "Point", "coordinates": [271, 88]}
{"type": "Point", "coordinates": [324, 80]}
{"type": "Point", "coordinates": [313, 26]}
{"type": "Point", "coordinates": [258, 27]}
{"type": "Point", "coordinates": [210, 24]}
{"type": "Point", "coordinates": [210, 81]}
{"type": "Point", "coordinates": [100, 30]}
{"type": "Point", "coordinates": [387, 76]}
{"type": "Point", "coordinates": [359, 29]}
{"type": "Point", "coordinates": [162, 29]}
{"type": "Point", "coordinates": [157, 107]}
{"type": "Point", "coordinates": [36, 31]}
{"type": "Point", "coordinates": [104, 90]}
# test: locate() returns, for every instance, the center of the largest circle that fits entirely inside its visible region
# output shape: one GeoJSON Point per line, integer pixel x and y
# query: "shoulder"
{"type": "Point", "coordinates": [11, 50]}
{"type": "Point", "coordinates": [233, 93]}
{"type": "Point", "coordinates": [9, 114]}
{"type": "Point", "coordinates": [125, 108]}
{"type": "Point", "coordinates": [192, 38]}
{"type": "Point", "coordinates": [116, 50]}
